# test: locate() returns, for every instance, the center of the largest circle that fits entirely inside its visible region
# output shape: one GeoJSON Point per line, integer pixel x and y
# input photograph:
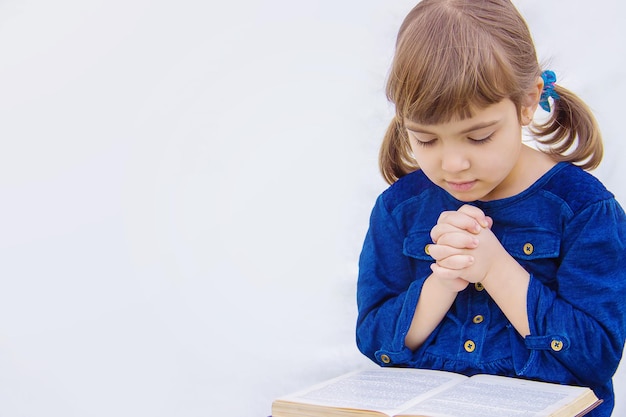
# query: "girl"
{"type": "Point", "coordinates": [486, 255]}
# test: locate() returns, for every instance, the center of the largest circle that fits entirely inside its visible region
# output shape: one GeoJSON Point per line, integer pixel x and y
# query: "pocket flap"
{"type": "Point", "coordinates": [416, 245]}
{"type": "Point", "coordinates": [532, 243]}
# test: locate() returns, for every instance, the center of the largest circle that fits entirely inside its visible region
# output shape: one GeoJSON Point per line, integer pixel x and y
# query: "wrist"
{"type": "Point", "coordinates": [504, 269]}
{"type": "Point", "coordinates": [447, 286]}
{"type": "Point", "coordinates": [507, 284]}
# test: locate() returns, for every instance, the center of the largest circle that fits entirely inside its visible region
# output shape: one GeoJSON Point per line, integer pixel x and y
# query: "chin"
{"type": "Point", "coordinates": [466, 197]}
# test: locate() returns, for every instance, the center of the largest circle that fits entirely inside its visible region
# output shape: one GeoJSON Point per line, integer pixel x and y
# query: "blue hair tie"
{"type": "Point", "coordinates": [549, 78]}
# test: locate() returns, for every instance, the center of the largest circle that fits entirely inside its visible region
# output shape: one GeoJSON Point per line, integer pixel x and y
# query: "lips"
{"type": "Point", "coordinates": [461, 186]}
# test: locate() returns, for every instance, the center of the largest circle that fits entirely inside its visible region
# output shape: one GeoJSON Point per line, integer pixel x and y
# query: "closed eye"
{"type": "Point", "coordinates": [482, 140]}
{"type": "Point", "coordinates": [425, 142]}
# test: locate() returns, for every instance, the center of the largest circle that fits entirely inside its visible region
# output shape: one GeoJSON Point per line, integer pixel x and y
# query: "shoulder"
{"type": "Point", "coordinates": [408, 188]}
{"type": "Point", "coordinates": [575, 187]}
{"type": "Point", "coordinates": [411, 203]}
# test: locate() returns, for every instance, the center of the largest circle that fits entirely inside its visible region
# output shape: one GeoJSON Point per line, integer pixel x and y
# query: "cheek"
{"type": "Point", "coordinates": [501, 160]}
{"type": "Point", "coordinates": [430, 164]}
{"type": "Point", "coordinates": [415, 150]}
{"type": "Point", "coordinates": [422, 156]}
{"type": "Point", "coordinates": [512, 148]}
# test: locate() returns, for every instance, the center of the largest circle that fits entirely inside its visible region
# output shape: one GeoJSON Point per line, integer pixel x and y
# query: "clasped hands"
{"type": "Point", "coordinates": [464, 249]}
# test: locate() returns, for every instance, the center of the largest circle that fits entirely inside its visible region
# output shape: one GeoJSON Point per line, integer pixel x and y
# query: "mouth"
{"type": "Point", "coordinates": [461, 186]}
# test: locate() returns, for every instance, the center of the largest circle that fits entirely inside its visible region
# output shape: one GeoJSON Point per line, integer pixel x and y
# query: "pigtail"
{"type": "Point", "coordinates": [571, 133]}
{"type": "Point", "coordinates": [395, 159]}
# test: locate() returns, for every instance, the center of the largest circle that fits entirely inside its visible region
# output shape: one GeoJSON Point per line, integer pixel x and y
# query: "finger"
{"type": "Point", "coordinates": [456, 262]}
{"type": "Point", "coordinates": [458, 240]}
{"type": "Point", "coordinates": [489, 222]}
{"type": "Point", "coordinates": [476, 213]}
{"type": "Point", "coordinates": [440, 252]}
{"type": "Point", "coordinates": [441, 229]}
{"type": "Point", "coordinates": [460, 220]}
{"type": "Point", "coordinates": [444, 273]}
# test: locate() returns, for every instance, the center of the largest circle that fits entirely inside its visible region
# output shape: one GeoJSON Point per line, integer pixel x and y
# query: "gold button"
{"type": "Point", "coordinates": [427, 249]}
{"type": "Point", "coordinates": [470, 346]}
{"type": "Point", "coordinates": [479, 286]}
{"type": "Point", "coordinates": [556, 345]}
{"type": "Point", "coordinates": [529, 248]}
{"type": "Point", "coordinates": [385, 359]}
{"type": "Point", "coordinates": [478, 319]}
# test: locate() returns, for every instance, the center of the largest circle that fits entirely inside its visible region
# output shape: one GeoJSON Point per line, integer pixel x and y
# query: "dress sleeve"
{"type": "Point", "coordinates": [578, 328]}
{"type": "Point", "coordinates": [387, 292]}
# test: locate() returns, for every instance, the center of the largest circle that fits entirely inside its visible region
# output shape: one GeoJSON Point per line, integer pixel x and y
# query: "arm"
{"type": "Point", "coordinates": [586, 312]}
{"type": "Point", "coordinates": [390, 283]}
{"type": "Point", "coordinates": [507, 284]}
{"type": "Point", "coordinates": [435, 300]}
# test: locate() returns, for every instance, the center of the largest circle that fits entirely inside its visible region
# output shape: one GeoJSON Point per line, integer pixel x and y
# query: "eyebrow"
{"type": "Point", "coordinates": [472, 128]}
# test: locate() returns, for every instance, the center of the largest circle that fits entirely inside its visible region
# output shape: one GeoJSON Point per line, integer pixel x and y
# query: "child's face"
{"type": "Point", "coordinates": [472, 159]}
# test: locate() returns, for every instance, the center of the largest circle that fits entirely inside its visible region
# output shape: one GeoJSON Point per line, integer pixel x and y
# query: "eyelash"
{"type": "Point", "coordinates": [475, 141]}
{"type": "Point", "coordinates": [483, 140]}
{"type": "Point", "coordinates": [425, 144]}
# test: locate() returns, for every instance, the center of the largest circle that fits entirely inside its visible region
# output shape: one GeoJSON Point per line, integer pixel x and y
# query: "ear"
{"type": "Point", "coordinates": [531, 101]}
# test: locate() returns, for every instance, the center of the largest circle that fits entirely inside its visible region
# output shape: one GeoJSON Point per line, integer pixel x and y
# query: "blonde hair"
{"type": "Point", "coordinates": [453, 56]}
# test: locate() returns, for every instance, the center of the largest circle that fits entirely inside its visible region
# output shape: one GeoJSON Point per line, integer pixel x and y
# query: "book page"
{"type": "Point", "coordinates": [493, 396]}
{"type": "Point", "coordinates": [387, 390]}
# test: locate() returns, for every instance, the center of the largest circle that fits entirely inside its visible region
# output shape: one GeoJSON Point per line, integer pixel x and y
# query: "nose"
{"type": "Point", "coordinates": [454, 160]}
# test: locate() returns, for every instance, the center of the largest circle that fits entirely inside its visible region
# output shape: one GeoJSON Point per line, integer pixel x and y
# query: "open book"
{"type": "Point", "coordinates": [396, 392]}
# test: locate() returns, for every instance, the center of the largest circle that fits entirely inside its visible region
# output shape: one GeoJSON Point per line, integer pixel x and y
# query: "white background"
{"type": "Point", "coordinates": [185, 187]}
